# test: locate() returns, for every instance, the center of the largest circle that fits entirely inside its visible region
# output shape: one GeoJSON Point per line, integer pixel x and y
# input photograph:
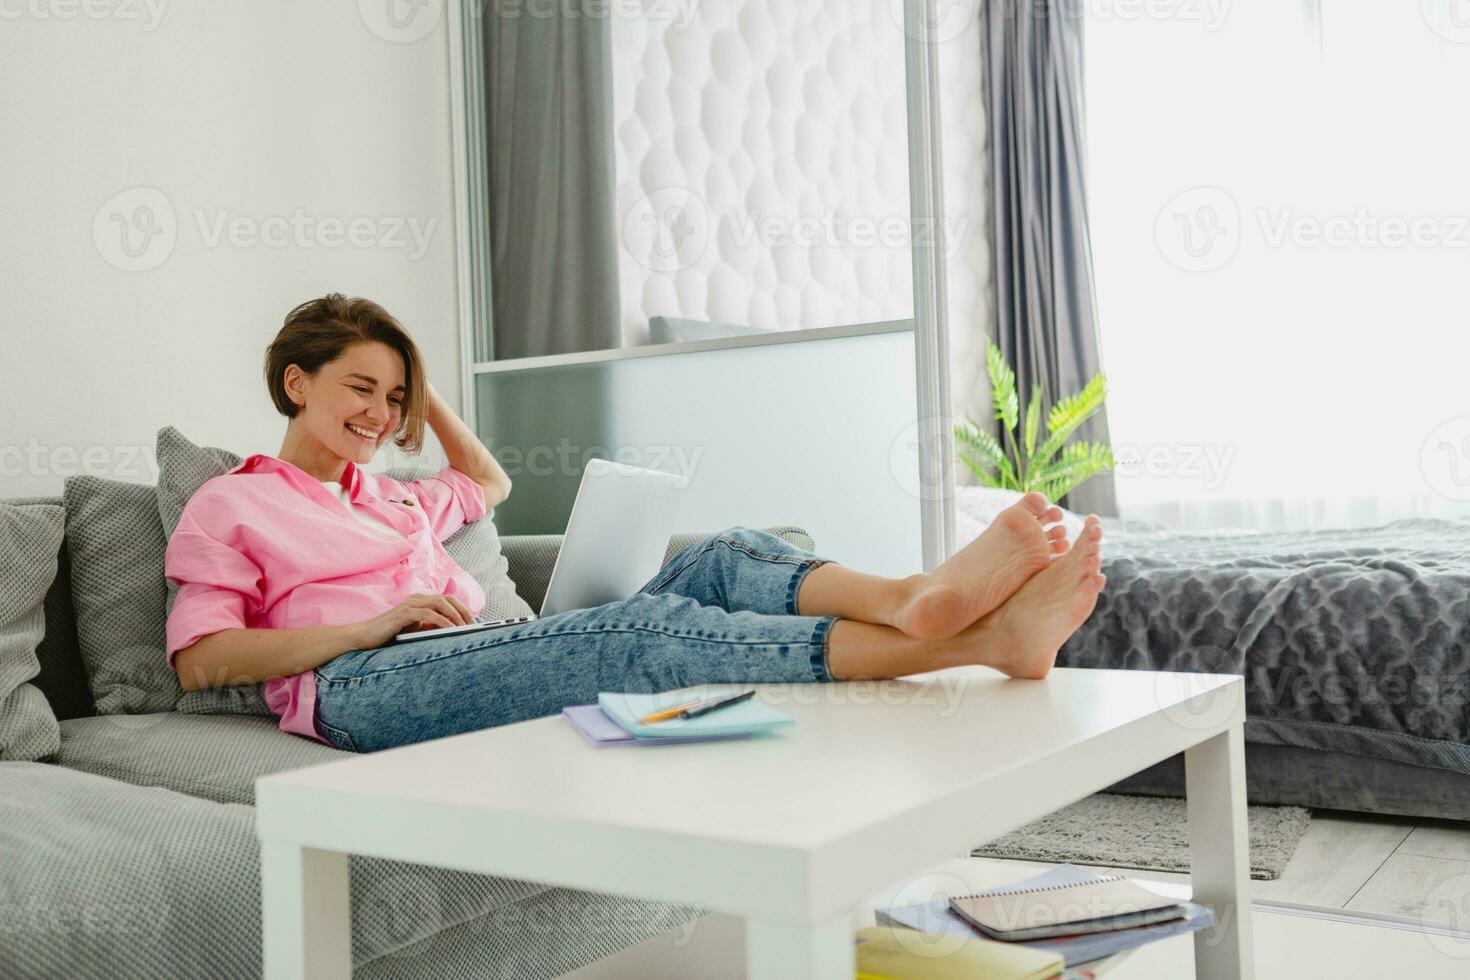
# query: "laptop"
{"type": "Point", "coordinates": [615, 541]}
{"type": "Point", "coordinates": [616, 536]}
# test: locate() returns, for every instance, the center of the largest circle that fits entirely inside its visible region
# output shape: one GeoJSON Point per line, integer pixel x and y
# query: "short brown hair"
{"type": "Point", "coordinates": [319, 330]}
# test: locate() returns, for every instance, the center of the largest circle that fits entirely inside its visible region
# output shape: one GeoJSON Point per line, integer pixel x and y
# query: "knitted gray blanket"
{"type": "Point", "coordinates": [1356, 641]}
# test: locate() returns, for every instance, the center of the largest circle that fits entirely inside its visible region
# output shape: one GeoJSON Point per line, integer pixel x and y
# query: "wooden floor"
{"type": "Point", "coordinates": [1412, 869]}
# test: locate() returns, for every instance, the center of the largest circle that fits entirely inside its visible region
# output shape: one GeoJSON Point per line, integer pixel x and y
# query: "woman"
{"type": "Point", "coordinates": [298, 570]}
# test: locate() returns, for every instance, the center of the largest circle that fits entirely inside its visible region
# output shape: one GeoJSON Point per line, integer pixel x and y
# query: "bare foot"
{"type": "Point", "coordinates": [984, 573]}
{"type": "Point", "coordinates": [1022, 637]}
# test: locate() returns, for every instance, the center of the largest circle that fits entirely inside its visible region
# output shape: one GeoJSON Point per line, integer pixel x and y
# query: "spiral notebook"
{"type": "Point", "coordinates": [1102, 905]}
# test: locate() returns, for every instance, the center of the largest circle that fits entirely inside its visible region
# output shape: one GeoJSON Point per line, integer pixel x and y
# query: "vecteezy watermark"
{"type": "Point", "coordinates": [921, 907]}
{"type": "Point", "coordinates": [118, 462]}
{"type": "Point", "coordinates": [1445, 917]}
{"type": "Point", "coordinates": [946, 20]}
{"type": "Point", "coordinates": [402, 906]}
{"type": "Point", "coordinates": [1363, 229]}
{"type": "Point", "coordinates": [302, 230]}
{"type": "Point", "coordinates": [1206, 463]}
{"type": "Point", "coordinates": [1192, 700]}
{"type": "Point", "coordinates": [943, 693]}
{"type": "Point", "coordinates": [678, 14]}
{"type": "Point", "coordinates": [919, 458]}
{"type": "Point", "coordinates": [832, 230]}
{"type": "Point", "coordinates": [1198, 230]}
{"type": "Point", "coordinates": [1208, 14]}
{"type": "Point", "coordinates": [407, 21]}
{"type": "Point", "coordinates": [146, 13]}
{"type": "Point", "coordinates": [1450, 19]}
{"type": "Point", "coordinates": [936, 21]}
{"type": "Point", "coordinates": [137, 229]}
{"type": "Point", "coordinates": [670, 229]}
{"type": "Point", "coordinates": [401, 21]}
{"type": "Point", "coordinates": [568, 459]}
{"type": "Point", "coordinates": [33, 916]}
{"type": "Point", "coordinates": [572, 917]}
{"type": "Point", "coordinates": [1444, 459]}
{"type": "Point", "coordinates": [1288, 686]}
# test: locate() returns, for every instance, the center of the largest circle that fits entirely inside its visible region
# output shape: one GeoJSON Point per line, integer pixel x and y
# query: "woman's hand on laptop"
{"type": "Point", "coordinates": [414, 613]}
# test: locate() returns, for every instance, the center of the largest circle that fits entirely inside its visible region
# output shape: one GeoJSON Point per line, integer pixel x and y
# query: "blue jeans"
{"type": "Point", "coordinates": [722, 610]}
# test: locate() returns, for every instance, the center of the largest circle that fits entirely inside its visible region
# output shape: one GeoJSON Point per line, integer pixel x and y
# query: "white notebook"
{"type": "Point", "coordinates": [1109, 903]}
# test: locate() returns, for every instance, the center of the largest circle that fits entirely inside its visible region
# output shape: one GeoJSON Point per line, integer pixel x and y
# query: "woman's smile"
{"type": "Point", "coordinates": [370, 435]}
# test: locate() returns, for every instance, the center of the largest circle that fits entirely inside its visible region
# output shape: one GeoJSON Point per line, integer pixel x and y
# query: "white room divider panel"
{"type": "Point", "coordinates": [750, 116]}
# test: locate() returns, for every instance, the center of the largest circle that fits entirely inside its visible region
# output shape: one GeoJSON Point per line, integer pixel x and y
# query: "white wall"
{"type": "Point", "coordinates": [246, 110]}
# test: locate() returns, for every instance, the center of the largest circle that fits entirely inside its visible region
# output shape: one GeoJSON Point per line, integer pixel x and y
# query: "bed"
{"type": "Point", "coordinates": [1354, 644]}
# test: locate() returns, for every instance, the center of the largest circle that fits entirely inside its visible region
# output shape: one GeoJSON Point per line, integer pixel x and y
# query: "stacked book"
{"type": "Point", "coordinates": [1067, 916]}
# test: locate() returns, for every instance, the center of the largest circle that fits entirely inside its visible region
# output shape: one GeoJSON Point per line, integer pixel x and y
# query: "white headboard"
{"type": "Point", "coordinates": [737, 118]}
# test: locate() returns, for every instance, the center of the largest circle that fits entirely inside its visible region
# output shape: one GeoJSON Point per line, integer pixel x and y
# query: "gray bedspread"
{"type": "Point", "coordinates": [1356, 641]}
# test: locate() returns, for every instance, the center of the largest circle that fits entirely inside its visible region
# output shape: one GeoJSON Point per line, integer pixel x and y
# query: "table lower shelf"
{"type": "Point", "coordinates": [1288, 944]}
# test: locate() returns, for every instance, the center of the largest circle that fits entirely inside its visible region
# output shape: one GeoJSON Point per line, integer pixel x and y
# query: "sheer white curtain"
{"type": "Point", "coordinates": [1281, 233]}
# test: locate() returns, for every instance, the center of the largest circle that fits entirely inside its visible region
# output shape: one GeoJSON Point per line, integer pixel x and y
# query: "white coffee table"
{"type": "Point", "coordinates": [876, 782]}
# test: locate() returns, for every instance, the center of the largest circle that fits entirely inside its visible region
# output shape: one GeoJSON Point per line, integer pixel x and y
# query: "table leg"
{"type": "Point", "coordinates": [305, 913]}
{"type": "Point", "coordinates": [1218, 854]}
{"type": "Point", "coordinates": [782, 951]}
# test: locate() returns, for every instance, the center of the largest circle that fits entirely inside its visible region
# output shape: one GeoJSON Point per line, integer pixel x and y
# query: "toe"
{"type": "Point", "coordinates": [1033, 502]}
{"type": "Point", "coordinates": [1052, 515]}
{"type": "Point", "coordinates": [1057, 533]}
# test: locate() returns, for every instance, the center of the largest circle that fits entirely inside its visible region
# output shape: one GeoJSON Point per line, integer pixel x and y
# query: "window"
{"type": "Point", "coordinates": [1280, 218]}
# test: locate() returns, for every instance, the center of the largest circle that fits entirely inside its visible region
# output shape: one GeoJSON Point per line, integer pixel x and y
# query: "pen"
{"type": "Point", "coordinates": [705, 709]}
{"type": "Point", "coordinates": [693, 709]}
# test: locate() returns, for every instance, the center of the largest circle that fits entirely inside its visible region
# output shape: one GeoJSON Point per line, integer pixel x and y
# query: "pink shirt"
{"type": "Point", "coordinates": [267, 546]}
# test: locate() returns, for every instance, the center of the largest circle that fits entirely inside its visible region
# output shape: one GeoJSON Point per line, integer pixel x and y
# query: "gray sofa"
{"type": "Point", "coordinates": [132, 852]}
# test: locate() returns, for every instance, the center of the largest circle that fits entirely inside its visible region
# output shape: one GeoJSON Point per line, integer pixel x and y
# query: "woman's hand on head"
{"type": "Point", "coordinates": [414, 613]}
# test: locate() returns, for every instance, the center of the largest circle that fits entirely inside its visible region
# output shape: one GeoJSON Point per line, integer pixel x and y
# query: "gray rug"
{"type": "Point", "coordinates": [1144, 832]}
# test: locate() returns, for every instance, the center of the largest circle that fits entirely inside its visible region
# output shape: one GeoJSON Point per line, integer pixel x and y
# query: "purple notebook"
{"type": "Point", "coordinates": [601, 730]}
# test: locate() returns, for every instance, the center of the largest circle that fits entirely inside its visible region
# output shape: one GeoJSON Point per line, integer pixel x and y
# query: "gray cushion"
{"type": "Point", "coordinates": [217, 757]}
{"type": "Point", "coordinates": [182, 469]}
{"type": "Point", "coordinates": [103, 879]}
{"type": "Point", "coordinates": [30, 538]}
{"type": "Point", "coordinates": [63, 679]}
{"type": "Point", "coordinates": [115, 545]}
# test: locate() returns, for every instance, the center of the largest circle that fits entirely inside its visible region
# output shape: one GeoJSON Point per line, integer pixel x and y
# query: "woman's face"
{"type": "Point", "coordinates": [354, 403]}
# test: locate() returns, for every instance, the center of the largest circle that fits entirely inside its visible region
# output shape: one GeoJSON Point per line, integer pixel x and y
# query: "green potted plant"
{"type": "Point", "coordinates": [1052, 466]}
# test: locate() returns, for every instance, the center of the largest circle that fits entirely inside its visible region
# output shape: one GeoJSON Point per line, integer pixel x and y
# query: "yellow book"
{"type": "Point", "coordinates": [906, 954]}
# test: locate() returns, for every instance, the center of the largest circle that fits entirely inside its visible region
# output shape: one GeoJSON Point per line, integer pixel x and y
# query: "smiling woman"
{"type": "Point", "coordinates": [284, 580]}
{"type": "Point", "coordinates": [348, 376]}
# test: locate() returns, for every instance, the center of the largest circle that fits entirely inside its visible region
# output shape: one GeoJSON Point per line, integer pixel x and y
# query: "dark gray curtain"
{"type": "Point", "coordinates": [553, 250]}
{"type": "Point", "coordinates": [1047, 324]}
